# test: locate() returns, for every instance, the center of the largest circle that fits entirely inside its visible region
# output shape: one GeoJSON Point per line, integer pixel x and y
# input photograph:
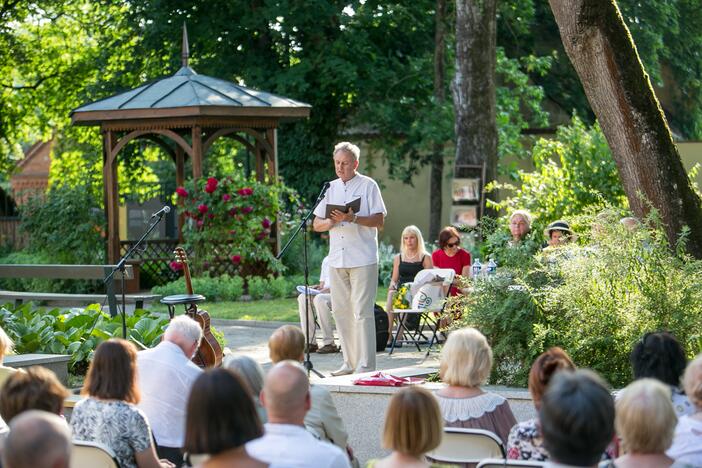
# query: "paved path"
{"type": "Point", "coordinates": [251, 338]}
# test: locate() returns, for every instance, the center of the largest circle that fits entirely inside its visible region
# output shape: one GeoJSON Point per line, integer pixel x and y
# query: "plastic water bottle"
{"type": "Point", "coordinates": [477, 266]}
{"type": "Point", "coordinates": [491, 268]}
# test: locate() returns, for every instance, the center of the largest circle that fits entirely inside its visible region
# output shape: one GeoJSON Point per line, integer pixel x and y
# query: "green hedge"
{"type": "Point", "coordinates": [231, 288]}
{"type": "Point", "coordinates": [595, 300]}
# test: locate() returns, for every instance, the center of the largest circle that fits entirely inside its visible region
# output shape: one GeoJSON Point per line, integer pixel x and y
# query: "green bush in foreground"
{"type": "Point", "coordinates": [595, 301]}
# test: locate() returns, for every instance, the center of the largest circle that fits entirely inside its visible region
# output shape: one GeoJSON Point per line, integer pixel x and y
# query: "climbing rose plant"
{"type": "Point", "coordinates": [229, 220]}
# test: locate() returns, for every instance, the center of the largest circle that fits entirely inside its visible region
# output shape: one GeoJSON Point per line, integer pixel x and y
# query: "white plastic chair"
{"type": "Point", "coordinates": [427, 319]}
{"type": "Point", "coordinates": [459, 445]}
{"type": "Point", "coordinates": [92, 454]}
{"type": "Point", "coordinates": [502, 463]}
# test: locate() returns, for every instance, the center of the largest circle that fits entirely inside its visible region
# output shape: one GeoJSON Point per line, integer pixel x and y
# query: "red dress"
{"type": "Point", "coordinates": [456, 263]}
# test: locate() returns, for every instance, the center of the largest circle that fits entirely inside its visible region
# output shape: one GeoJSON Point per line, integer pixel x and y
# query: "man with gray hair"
{"type": "Point", "coordinates": [353, 256]}
{"type": "Point", "coordinates": [166, 375]}
{"type": "Point", "coordinates": [37, 439]}
{"type": "Point", "coordinates": [286, 442]}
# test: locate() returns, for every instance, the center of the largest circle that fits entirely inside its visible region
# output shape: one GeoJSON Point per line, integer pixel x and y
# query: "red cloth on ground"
{"type": "Point", "coordinates": [456, 263]}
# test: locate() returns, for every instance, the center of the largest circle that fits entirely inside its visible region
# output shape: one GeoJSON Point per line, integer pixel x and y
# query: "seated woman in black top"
{"type": "Point", "coordinates": [412, 259]}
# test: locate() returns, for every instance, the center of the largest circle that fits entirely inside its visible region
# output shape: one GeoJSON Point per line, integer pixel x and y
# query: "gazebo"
{"type": "Point", "coordinates": [184, 114]}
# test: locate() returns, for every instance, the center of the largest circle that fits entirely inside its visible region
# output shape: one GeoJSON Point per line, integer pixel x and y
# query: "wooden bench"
{"type": "Point", "coordinates": [95, 272]}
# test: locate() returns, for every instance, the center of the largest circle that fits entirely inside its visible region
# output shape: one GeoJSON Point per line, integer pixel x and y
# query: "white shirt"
{"type": "Point", "coordinates": [293, 446]}
{"type": "Point", "coordinates": [352, 245]}
{"type": "Point", "coordinates": [166, 376]}
{"type": "Point", "coordinates": [324, 274]}
{"type": "Point", "coordinates": [687, 442]}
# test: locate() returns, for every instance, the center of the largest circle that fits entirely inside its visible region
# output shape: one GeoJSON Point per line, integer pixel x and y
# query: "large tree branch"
{"type": "Point", "coordinates": [33, 86]}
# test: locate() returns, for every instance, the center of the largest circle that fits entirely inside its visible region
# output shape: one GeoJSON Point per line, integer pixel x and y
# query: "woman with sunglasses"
{"type": "Point", "coordinates": [451, 255]}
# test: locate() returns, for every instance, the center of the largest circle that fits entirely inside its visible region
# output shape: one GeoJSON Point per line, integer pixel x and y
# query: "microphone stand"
{"type": "Point", "coordinates": [303, 227]}
{"type": "Point", "coordinates": [121, 267]}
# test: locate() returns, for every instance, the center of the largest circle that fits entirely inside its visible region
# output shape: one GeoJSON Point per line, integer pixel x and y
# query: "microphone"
{"type": "Point", "coordinates": [325, 187]}
{"type": "Point", "coordinates": [161, 212]}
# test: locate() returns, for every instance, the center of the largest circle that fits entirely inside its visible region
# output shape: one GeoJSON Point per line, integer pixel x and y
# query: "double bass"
{"type": "Point", "coordinates": [209, 354]}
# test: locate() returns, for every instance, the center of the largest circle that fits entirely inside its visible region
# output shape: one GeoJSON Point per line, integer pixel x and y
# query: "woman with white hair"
{"type": "Point", "coordinates": [412, 259]}
{"type": "Point", "coordinates": [687, 441]}
{"type": "Point", "coordinates": [519, 225]}
{"type": "Point", "coordinates": [6, 346]}
{"type": "Point", "coordinates": [466, 362]}
{"type": "Point", "coordinates": [645, 421]}
{"type": "Point", "coordinates": [251, 373]}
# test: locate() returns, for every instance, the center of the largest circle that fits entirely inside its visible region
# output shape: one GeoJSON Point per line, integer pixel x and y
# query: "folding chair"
{"type": "Point", "coordinates": [459, 445]}
{"type": "Point", "coordinates": [430, 309]}
{"type": "Point", "coordinates": [92, 454]}
{"type": "Point", "coordinates": [504, 463]}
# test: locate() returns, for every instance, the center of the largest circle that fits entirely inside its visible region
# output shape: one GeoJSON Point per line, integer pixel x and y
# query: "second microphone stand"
{"type": "Point", "coordinates": [308, 315]}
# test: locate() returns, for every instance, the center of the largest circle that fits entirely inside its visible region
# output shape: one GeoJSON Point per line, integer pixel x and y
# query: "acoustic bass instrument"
{"type": "Point", "coordinates": [209, 354]}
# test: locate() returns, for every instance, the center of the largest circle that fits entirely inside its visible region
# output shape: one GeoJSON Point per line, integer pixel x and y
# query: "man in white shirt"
{"type": "Point", "coordinates": [321, 304]}
{"type": "Point", "coordinates": [166, 375]}
{"type": "Point", "coordinates": [286, 397]}
{"type": "Point", "coordinates": [353, 257]}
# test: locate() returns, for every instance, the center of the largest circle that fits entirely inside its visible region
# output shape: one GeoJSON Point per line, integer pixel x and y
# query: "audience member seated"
{"type": "Point", "coordinates": [36, 388]}
{"type": "Point", "coordinates": [413, 427]}
{"type": "Point", "coordinates": [660, 356]}
{"type": "Point", "coordinates": [286, 397]}
{"type": "Point", "coordinates": [558, 233]}
{"type": "Point", "coordinates": [577, 419]}
{"type": "Point", "coordinates": [6, 346]}
{"type": "Point", "coordinates": [252, 374]}
{"type": "Point", "coordinates": [519, 226]}
{"type": "Point", "coordinates": [320, 307]}
{"type": "Point", "coordinates": [164, 405]}
{"type": "Point", "coordinates": [108, 414]}
{"type": "Point", "coordinates": [451, 255]}
{"type": "Point", "coordinates": [466, 361]}
{"type": "Point", "coordinates": [221, 420]}
{"type": "Point", "coordinates": [412, 259]}
{"type": "Point", "coordinates": [525, 441]}
{"type": "Point", "coordinates": [687, 440]}
{"type": "Point", "coordinates": [288, 343]}
{"type": "Point", "coordinates": [645, 421]}
{"type": "Point", "coordinates": [37, 439]}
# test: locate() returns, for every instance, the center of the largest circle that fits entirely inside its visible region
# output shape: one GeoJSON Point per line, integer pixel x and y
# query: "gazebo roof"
{"type": "Point", "coordinates": [187, 94]}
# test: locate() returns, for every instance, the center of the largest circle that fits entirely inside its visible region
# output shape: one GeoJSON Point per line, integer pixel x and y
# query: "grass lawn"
{"type": "Point", "coordinates": [279, 310]}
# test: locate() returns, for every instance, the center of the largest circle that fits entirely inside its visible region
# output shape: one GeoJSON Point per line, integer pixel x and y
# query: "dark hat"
{"type": "Point", "coordinates": [559, 225]}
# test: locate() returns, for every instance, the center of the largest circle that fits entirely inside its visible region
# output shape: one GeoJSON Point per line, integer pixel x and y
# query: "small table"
{"type": "Point", "coordinates": [185, 299]}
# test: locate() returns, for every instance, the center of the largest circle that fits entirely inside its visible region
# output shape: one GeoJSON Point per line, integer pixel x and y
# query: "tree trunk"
{"type": "Point", "coordinates": [437, 160]}
{"type": "Point", "coordinates": [474, 85]}
{"type": "Point", "coordinates": [600, 47]}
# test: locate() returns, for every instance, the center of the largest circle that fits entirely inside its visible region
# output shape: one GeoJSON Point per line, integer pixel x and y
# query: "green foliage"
{"type": "Point", "coordinates": [230, 219]}
{"type": "Point", "coordinates": [595, 302]}
{"type": "Point", "coordinates": [258, 287]}
{"type": "Point", "coordinates": [573, 172]}
{"type": "Point", "coordinates": [221, 288]}
{"type": "Point", "coordinates": [65, 225]}
{"type": "Point", "coordinates": [75, 332]}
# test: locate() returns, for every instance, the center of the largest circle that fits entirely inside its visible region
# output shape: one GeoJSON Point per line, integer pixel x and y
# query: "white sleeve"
{"type": "Point", "coordinates": [375, 200]}
{"type": "Point", "coordinates": [321, 209]}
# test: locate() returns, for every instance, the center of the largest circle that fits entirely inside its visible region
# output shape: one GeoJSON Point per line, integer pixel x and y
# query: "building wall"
{"type": "Point", "coordinates": [410, 204]}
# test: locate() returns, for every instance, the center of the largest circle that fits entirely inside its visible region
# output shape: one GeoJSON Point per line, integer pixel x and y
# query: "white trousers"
{"type": "Point", "coordinates": [353, 293]}
{"type": "Point", "coordinates": [319, 306]}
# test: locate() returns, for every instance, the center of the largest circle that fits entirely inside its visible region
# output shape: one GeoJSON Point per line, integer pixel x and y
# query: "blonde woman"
{"type": "Point", "coordinates": [687, 443]}
{"type": "Point", "coordinates": [645, 420]}
{"type": "Point", "coordinates": [466, 361]}
{"type": "Point", "coordinates": [412, 259]}
{"type": "Point", "coordinates": [413, 427]}
{"type": "Point", "coordinates": [6, 347]}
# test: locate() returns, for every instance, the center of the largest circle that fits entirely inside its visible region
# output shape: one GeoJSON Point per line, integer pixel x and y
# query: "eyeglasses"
{"type": "Point", "coordinates": [453, 244]}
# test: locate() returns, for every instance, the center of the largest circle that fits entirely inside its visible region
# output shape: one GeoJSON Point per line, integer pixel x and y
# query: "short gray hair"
{"type": "Point", "coordinates": [249, 370]}
{"type": "Point", "coordinates": [37, 438]}
{"type": "Point", "coordinates": [185, 327]}
{"type": "Point", "coordinates": [348, 147]}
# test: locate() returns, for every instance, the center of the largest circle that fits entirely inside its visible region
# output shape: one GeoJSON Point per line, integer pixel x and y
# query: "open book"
{"type": "Point", "coordinates": [355, 205]}
{"type": "Point", "coordinates": [310, 291]}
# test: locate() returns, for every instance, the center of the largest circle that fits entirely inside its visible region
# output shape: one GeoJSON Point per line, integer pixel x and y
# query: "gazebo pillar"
{"type": "Point", "coordinates": [180, 181]}
{"type": "Point", "coordinates": [111, 196]}
{"type": "Point", "coordinates": [197, 151]}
